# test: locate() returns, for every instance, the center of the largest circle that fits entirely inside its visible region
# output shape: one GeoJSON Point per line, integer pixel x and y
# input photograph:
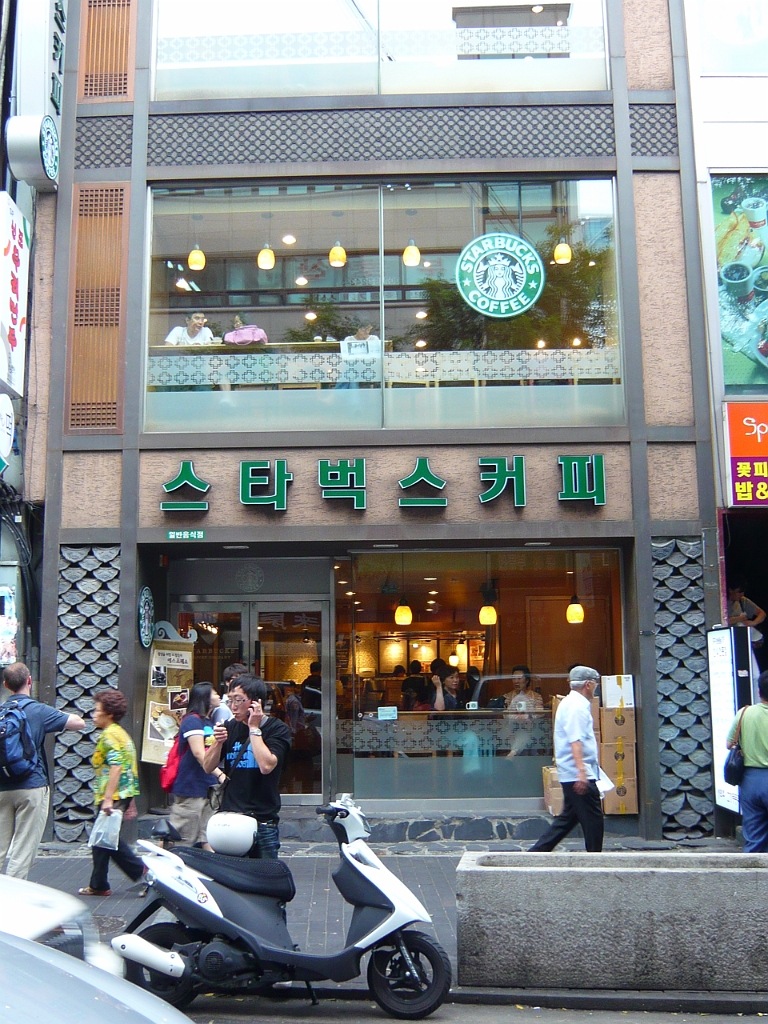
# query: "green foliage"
{"type": "Point", "coordinates": [330, 321]}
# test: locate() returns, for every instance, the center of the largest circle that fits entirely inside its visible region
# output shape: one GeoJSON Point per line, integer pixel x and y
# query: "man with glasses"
{"type": "Point", "coordinates": [254, 776]}
{"type": "Point", "coordinates": [577, 766]}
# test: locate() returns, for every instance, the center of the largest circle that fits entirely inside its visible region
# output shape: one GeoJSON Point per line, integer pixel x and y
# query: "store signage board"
{"type": "Point", "coordinates": [266, 482]}
{"type": "Point", "coordinates": [15, 235]}
{"type": "Point", "coordinates": [722, 697]}
{"type": "Point", "coordinates": [387, 714]}
{"type": "Point", "coordinates": [746, 438]}
{"type": "Point", "coordinates": [500, 275]}
{"type": "Point", "coordinates": [186, 535]}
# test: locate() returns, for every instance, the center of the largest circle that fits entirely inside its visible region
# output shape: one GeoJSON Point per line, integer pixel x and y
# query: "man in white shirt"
{"type": "Point", "coordinates": [195, 332]}
{"type": "Point", "coordinates": [577, 766]}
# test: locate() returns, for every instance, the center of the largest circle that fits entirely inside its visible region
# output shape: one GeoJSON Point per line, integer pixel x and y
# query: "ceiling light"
{"type": "Point", "coordinates": [288, 239]}
{"type": "Point", "coordinates": [559, 24]}
{"type": "Point", "coordinates": [562, 253]}
{"type": "Point", "coordinates": [537, 8]}
{"type": "Point", "coordinates": [537, 543]}
{"type": "Point", "coordinates": [183, 284]}
{"type": "Point", "coordinates": [426, 263]}
{"type": "Point", "coordinates": [431, 601]}
{"type": "Point", "coordinates": [574, 613]}
{"type": "Point", "coordinates": [592, 263]}
{"type": "Point", "coordinates": [350, 593]}
{"type": "Point", "coordinates": [196, 259]}
{"type": "Point", "coordinates": [541, 343]}
{"type": "Point", "coordinates": [311, 315]}
{"type": "Point", "coordinates": [337, 567]}
{"type": "Point", "coordinates": [337, 257]}
{"type": "Point", "coordinates": [422, 314]}
{"type": "Point", "coordinates": [429, 579]}
{"type": "Point", "coordinates": [421, 343]}
{"type": "Point", "coordinates": [421, 369]}
{"type": "Point", "coordinates": [576, 342]}
{"type": "Point", "coordinates": [266, 258]}
{"type": "Point", "coordinates": [415, 646]}
{"type": "Point", "coordinates": [411, 254]}
{"type": "Point", "coordinates": [301, 281]}
{"type": "Point", "coordinates": [342, 582]}
{"type": "Point", "coordinates": [569, 572]}
{"type": "Point", "coordinates": [403, 614]}
{"type": "Point", "coordinates": [434, 591]}
{"type": "Point", "coordinates": [358, 602]}
{"type": "Point", "coordinates": [235, 547]}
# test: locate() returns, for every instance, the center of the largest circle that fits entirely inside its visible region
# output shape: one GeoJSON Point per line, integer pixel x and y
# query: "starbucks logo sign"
{"type": "Point", "coordinates": [500, 275]}
{"type": "Point", "coordinates": [49, 147]}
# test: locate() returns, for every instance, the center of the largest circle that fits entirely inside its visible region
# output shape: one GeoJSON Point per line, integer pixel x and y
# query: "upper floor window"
{"type": "Point", "coordinates": [734, 36]}
{"type": "Point", "coordinates": [363, 47]}
{"type": "Point", "coordinates": [416, 305]}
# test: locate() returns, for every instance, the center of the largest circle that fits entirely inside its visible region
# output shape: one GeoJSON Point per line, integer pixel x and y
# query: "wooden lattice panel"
{"type": "Point", "coordinates": [107, 50]}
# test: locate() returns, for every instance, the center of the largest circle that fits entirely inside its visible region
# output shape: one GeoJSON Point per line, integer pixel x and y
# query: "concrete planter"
{"type": "Point", "coordinates": [682, 921]}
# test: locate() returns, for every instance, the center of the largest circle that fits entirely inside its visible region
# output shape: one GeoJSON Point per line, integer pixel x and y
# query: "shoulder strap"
{"type": "Point", "coordinates": [240, 756]}
{"type": "Point", "coordinates": [738, 727]}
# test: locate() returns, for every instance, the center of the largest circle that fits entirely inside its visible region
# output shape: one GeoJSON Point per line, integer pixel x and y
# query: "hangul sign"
{"type": "Point", "coordinates": [746, 434]}
{"type": "Point", "coordinates": [15, 238]}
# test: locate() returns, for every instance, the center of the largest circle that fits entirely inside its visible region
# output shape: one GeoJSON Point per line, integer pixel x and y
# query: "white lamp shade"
{"type": "Point", "coordinates": [411, 255]}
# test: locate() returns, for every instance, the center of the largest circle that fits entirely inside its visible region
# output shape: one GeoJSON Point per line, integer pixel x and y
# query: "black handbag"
{"type": "Point", "coordinates": [734, 763]}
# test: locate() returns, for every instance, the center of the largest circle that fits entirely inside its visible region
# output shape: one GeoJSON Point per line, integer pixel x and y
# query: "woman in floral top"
{"type": "Point", "coordinates": [115, 784]}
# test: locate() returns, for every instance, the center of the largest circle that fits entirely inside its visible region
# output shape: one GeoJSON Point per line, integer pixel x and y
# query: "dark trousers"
{"type": "Point", "coordinates": [753, 798]}
{"type": "Point", "coordinates": [267, 843]}
{"type": "Point", "coordinates": [125, 859]}
{"type": "Point", "coordinates": [584, 809]}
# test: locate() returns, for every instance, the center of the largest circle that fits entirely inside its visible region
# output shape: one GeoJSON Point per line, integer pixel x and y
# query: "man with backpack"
{"type": "Point", "coordinates": [24, 777]}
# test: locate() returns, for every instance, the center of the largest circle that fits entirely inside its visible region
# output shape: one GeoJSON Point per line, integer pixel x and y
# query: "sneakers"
{"type": "Point", "coordinates": [88, 891]}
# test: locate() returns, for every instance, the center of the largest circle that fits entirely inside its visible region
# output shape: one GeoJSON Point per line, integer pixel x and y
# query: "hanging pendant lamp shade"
{"type": "Point", "coordinates": [562, 253]}
{"type": "Point", "coordinates": [403, 613]}
{"type": "Point", "coordinates": [488, 616]}
{"type": "Point", "coordinates": [337, 257]}
{"type": "Point", "coordinates": [196, 259]}
{"type": "Point", "coordinates": [574, 613]}
{"type": "Point", "coordinates": [266, 258]}
{"type": "Point", "coordinates": [411, 255]}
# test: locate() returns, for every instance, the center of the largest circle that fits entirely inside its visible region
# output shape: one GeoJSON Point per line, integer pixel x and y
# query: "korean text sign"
{"type": "Point", "coordinates": [746, 427]}
{"type": "Point", "coordinates": [14, 278]}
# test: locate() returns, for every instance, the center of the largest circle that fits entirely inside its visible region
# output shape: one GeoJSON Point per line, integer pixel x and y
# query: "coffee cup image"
{"type": "Point", "coordinates": [760, 283]}
{"type": "Point", "coordinates": [738, 279]}
{"type": "Point", "coordinates": [755, 208]}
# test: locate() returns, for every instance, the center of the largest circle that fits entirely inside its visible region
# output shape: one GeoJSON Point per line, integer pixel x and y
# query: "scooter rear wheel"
{"type": "Point", "coordinates": [394, 988]}
{"type": "Point", "coordinates": [179, 992]}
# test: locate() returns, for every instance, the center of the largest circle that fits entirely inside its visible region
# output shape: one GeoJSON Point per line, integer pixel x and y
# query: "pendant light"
{"type": "Point", "coordinates": [453, 660]}
{"type": "Point", "coordinates": [562, 253]}
{"type": "Point", "coordinates": [196, 258]}
{"type": "Point", "coordinates": [574, 613]}
{"type": "Point", "coordinates": [411, 254]}
{"type": "Point", "coordinates": [403, 613]}
{"type": "Point", "coordinates": [337, 257]}
{"type": "Point", "coordinates": [488, 615]}
{"type": "Point", "coordinates": [266, 258]}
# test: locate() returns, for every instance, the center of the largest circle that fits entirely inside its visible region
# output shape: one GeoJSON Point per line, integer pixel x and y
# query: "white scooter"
{"type": "Point", "coordinates": [230, 932]}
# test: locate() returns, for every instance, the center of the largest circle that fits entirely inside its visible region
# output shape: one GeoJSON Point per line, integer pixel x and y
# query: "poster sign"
{"type": "Point", "coordinates": [741, 240]}
{"type": "Point", "coordinates": [722, 697]}
{"type": "Point", "coordinates": [746, 435]}
{"type": "Point", "coordinates": [170, 680]}
{"type": "Point", "coordinates": [14, 279]}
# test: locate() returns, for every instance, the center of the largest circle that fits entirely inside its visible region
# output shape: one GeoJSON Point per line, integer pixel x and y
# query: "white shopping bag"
{"type": "Point", "coordinates": [106, 830]}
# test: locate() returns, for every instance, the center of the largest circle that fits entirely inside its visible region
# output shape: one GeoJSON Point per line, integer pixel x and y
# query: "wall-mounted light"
{"type": "Point", "coordinates": [574, 613]}
{"type": "Point", "coordinates": [337, 257]}
{"type": "Point", "coordinates": [411, 254]}
{"type": "Point", "coordinates": [196, 259]}
{"type": "Point", "coordinates": [266, 258]}
{"type": "Point", "coordinates": [562, 253]}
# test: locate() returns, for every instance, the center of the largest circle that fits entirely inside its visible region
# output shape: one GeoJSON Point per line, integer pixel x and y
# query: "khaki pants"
{"type": "Point", "coordinates": [190, 815]}
{"type": "Point", "coordinates": [23, 814]}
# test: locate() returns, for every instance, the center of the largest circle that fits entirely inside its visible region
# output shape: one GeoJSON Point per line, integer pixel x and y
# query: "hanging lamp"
{"type": "Point", "coordinates": [562, 253]}
{"type": "Point", "coordinates": [337, 257]}
{"type": "Point", "coordinates": [411, 254]}
{"type": "Point", "coordinates": [403, 613]}
{"type": "Point", "coordinates": [266, 258]}
{"type": "Point", "coordinates": [574, 613]}
{"type": "Point", "coordinates": [488, 615]}
{"type": "Point", "coordinates": [196, 258]}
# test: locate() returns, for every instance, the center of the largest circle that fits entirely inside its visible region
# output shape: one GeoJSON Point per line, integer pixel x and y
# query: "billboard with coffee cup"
{"type": "Point", "coordinates": [741, 240]}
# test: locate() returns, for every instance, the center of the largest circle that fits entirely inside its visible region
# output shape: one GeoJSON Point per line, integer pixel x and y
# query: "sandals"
{"type": "Point", "coordinates": [88, 891]}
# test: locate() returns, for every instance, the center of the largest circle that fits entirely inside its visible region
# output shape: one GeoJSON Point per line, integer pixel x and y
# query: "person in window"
{"type": "Point", "coordinates": [310, 693]}
{"type": "Point", "coordinates": [361, 348]}
{"type": "Point", "coordinates": [449, 695]}
{"type": "Point", "coordinates": [193, 333]}
{"type": "Point", "coordinates": [414, 687]}
{"type": "Point", "coordinates": [522, 698]}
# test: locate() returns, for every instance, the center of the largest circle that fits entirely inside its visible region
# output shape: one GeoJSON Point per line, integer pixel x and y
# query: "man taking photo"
{"type": "Point", "coordinates": [254, 772]}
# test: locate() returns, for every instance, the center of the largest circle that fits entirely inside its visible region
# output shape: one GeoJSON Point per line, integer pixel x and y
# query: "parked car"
{"type": "Point", "coordinates": [46, 986]}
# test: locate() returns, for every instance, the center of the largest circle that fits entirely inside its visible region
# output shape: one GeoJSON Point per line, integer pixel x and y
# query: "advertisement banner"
{"type": "Point", "coordinates": [746, 438]}
{"type": "Point", "coordinates": [15, 235]}
{"type": "Point", "coordinates": [170, 680]}
{"type": "Point", "coordinates": [722, 698]}
{"type": "Point", "coordinates": [741, 240]}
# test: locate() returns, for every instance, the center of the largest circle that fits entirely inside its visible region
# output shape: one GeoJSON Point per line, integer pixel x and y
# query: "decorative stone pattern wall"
{"type": "Point", "coordinates": [685, 745]}
{"type": "Point", "coordinates": [103, 142]}
{"type": "Point", "coordinates": [87, 659]}
{"type": "Point", "coordinates": [653, 129]}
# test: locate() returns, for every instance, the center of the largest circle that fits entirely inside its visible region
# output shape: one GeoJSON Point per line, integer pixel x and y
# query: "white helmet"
{"type": "Point", "coordinates": [230, 833]}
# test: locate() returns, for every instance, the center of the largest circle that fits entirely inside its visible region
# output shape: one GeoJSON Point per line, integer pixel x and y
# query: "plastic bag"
{"type": "Point", "coordinates": [106, 830]}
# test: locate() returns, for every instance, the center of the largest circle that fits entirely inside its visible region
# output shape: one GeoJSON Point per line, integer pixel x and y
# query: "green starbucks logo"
{"type": "Point", "coordinates": [500, 275]}
{"type": "Point", "coordinates": [49, 147]}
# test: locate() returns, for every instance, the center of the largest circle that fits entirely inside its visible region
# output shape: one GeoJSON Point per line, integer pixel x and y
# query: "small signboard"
{"type": "Point", "coordinates": [387, 714]}
{"type": "Point", "coordinates": [186, 535]}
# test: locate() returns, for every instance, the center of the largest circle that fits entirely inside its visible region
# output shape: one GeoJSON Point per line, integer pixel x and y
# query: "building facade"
{"type": "Point", "coordinates": [379, 337]}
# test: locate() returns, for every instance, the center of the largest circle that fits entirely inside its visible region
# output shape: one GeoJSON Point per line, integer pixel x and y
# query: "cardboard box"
{"type": "Point", "coordinates": [618, 760]}
{"type": "Point", "coordinates": [618, 691]}
{"type": "Point", "coordinates": [553, 791]}
{"type": "Point", "coordinates": [617, 724]}
{"type": "Point", "coordinates": [622, 799]}
{"type": "Point", "coordinates": [595, 702]}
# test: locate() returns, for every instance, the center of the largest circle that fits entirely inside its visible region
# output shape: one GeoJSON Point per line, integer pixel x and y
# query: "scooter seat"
{"type": "Point", "coordinates": [263, 877]}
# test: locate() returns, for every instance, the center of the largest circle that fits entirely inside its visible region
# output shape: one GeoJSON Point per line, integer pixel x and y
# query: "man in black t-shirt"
{"type": "Point", "coordinates": [255, 775]}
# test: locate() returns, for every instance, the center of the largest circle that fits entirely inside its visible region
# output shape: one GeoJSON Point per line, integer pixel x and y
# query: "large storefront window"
{"type": "Point", "coordinates": [491, 739]}
{"type": "Point", "coordinates": [365, 306]}
{"type": "Point", "coordinates": [341, 47]}
{"type": "Point", "coordinates": [740, 204]}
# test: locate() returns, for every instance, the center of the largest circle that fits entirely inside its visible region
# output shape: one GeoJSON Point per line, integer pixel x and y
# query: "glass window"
{"type": "Point", "coordinates": [512, 664]}
{"type": "Point", "coordinates": [287, 307]}
{"type": "Point", "coordinates": [361, 47]}
{"type": "Point", "coordinates": [740, 202]}
{"type": "Point", "coordinates": [734, 36]}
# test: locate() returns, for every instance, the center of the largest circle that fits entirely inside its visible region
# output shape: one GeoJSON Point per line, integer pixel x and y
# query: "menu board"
{"type": "Point", "coordinates": [722, 698]}
{"type": "Point", "coordinates": [170, 680]}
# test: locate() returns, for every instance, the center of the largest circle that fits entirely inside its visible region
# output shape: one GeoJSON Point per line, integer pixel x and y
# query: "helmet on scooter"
{"type": "Point", "coordinates": [230, 833]}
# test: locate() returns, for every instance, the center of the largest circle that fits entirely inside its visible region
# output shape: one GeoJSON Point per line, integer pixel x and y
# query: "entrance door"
{"type": "Point", "coordinates": [282, 641]}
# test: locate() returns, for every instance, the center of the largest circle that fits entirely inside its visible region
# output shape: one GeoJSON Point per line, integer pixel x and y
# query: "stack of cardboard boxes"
{"type": "Point", "coordinates": [618, 740]}
{"type": "Point", "coordinates": [616, 737]}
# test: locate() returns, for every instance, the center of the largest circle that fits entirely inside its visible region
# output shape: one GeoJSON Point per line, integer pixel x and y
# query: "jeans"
{"type": "Point", "coordinates": [267, 843]}
{"type": "Point", "coordinates": [753, 796]}
{"type": "Point", "coordinates": [585, 809]}
{"type": "Point", "coordinates": [125, 859]}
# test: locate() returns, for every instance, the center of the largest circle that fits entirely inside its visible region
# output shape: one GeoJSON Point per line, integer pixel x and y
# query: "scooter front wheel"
{"type": "Point", "coordinates": [409, 991]}
{"type": "Point", "coordinates": [179, 992]}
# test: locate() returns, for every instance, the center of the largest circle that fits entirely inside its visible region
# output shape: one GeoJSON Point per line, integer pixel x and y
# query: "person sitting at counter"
{"type": "Point", "coordinates": [193, 333]}
{"type": "Point", "coordinates": [449, 695]}
{"type": "Point", "coordinates": [522, 697]}
{"type": "Point", "coordinates": [414, 687]}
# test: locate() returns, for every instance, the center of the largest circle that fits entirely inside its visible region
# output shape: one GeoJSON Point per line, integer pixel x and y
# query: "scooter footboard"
{"type": "Point", "coordinates": [341, 966]}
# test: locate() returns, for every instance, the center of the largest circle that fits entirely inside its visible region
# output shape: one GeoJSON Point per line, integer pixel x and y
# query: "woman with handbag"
{"type": "Point", "coordinates": [115, 784]}
{"type": "Point", "coordinates": [749, 735]}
